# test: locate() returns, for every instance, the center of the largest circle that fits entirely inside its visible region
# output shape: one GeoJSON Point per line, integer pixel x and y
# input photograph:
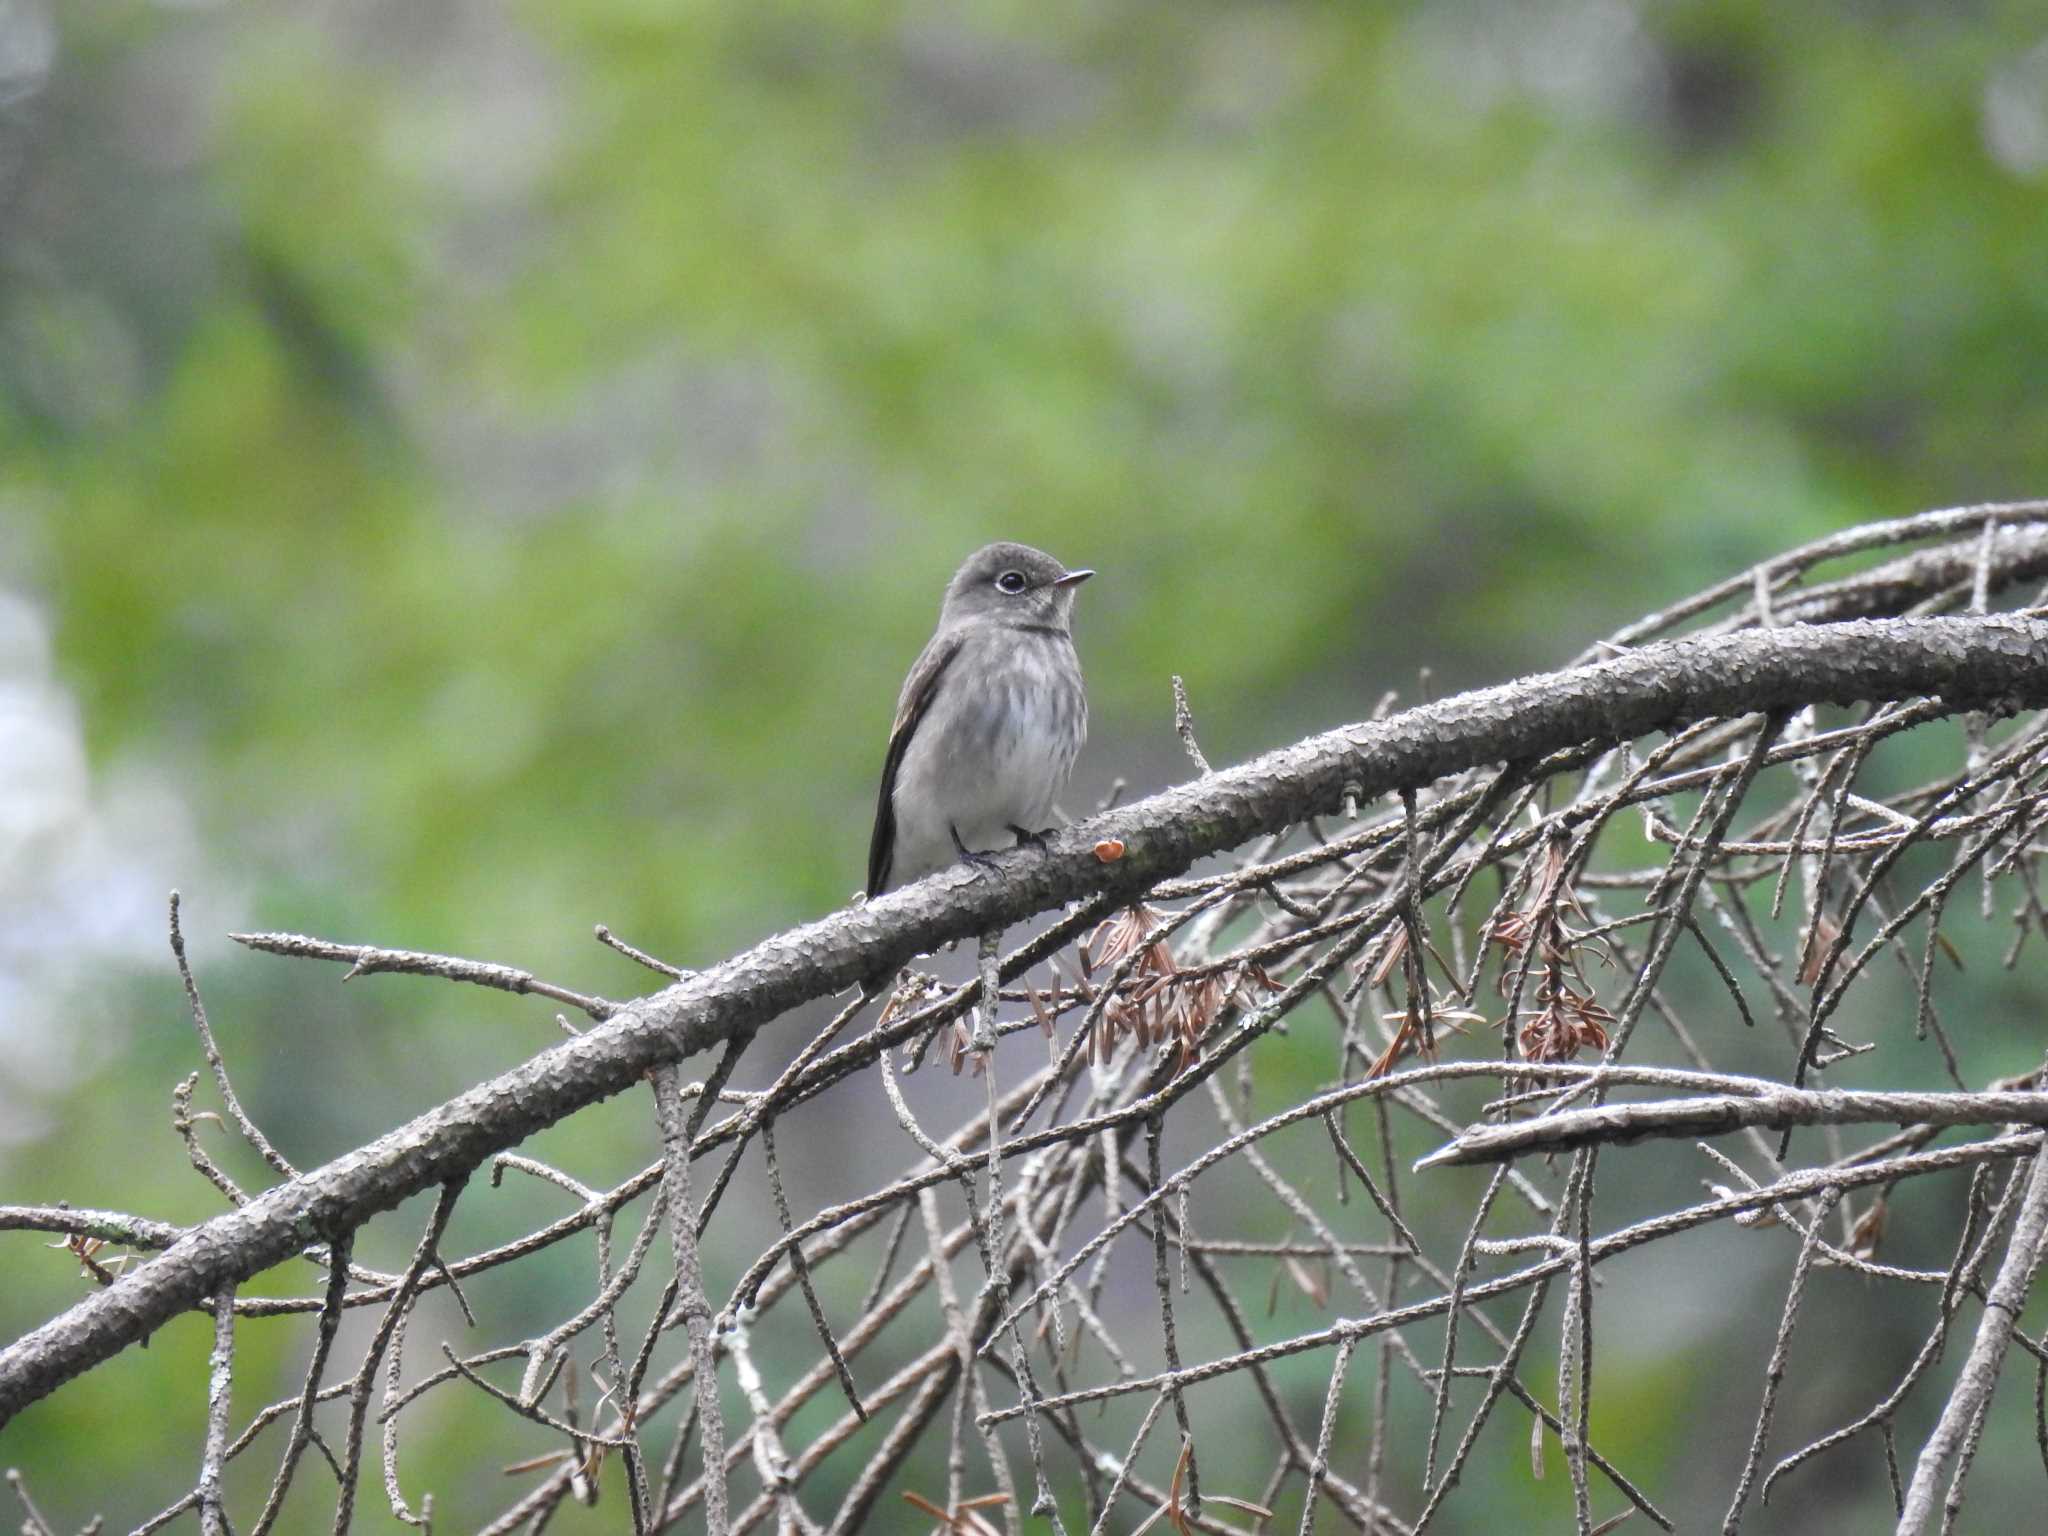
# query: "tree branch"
{"type": "Point", "coordinates": [1768, 1105]}
{"type": "Point", "coordinates": [1990, 664]}
{"type": "Point", "coordinates": [1979, 1375]}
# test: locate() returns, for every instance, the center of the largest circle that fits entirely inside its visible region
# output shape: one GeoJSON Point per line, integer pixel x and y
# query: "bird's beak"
{"type": "Point", "coordinates": [1073, 578]}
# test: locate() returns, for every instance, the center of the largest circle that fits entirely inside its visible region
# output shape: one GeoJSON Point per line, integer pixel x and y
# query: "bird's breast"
{"type": "Point", "coordinates": [997, 747]}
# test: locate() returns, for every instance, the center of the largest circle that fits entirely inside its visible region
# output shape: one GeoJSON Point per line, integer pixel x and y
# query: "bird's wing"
{"type": "Point", "coordinates": [919, 690]}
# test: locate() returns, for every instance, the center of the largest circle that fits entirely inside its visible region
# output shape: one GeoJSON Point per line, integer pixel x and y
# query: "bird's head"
{"type": "Point", "coordinates": [1012, 584]}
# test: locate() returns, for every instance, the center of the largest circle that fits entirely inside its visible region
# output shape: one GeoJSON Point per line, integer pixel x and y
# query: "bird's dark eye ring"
{"type": "Point", "coordinates": [1010, 581]}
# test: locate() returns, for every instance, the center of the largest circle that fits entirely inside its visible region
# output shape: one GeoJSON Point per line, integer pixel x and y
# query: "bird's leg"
{"type": "Point", "coordinates": [1026, 838]}
{"type": "Point", "coordinates": [967, 854]}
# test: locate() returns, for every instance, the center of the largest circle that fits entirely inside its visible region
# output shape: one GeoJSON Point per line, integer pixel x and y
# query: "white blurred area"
{"type": "Point", "coordinates": [87, 864]}
{"type": "Point", "coordinates": [2015, 114]}
{"type": "Point", "coordinates": [28, 48]}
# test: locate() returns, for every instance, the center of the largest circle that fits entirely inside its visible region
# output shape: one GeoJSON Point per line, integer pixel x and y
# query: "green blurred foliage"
{"type": "Point", "coordinates": [497, 466]}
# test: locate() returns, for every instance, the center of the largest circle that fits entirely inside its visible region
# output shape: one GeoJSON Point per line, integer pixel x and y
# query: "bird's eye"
{"type": "Point", "coordinates": [1010, 581]}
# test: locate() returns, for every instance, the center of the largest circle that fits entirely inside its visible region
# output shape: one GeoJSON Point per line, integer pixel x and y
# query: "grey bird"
{"type": "Point", "coordinates": [989, 722]}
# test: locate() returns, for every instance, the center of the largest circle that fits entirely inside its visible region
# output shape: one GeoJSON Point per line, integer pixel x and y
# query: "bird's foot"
{"type": "Point", "coordinates": [1026, 838]}
{"type": "Point", "coordinates": [968, 856]}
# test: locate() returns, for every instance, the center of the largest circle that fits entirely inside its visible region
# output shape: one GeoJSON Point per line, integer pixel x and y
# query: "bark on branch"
{"type": "Point", "coordinates": [1770, 1107]}
{"type": "Point", "coordinates": [1993, 664]}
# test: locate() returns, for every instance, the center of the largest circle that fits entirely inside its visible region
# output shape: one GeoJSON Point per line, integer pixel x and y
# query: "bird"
{"type": "Point", "coordinates": [989, 721]}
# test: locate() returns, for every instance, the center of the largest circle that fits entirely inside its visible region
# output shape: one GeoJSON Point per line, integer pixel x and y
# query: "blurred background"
{"type": "Point", "coordinates": [470, 471]}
